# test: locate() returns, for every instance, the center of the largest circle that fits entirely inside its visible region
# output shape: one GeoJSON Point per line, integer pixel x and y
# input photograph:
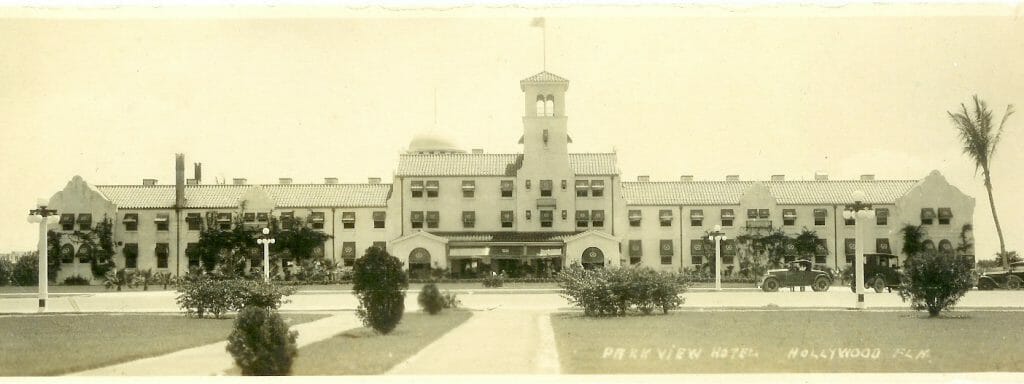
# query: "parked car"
{"type": "Point", "coordinates": [881, 271]}
{"type": "Point", "coordinates": [798, 273]}
{"type": "Point", "coordinates": [1009, 279]}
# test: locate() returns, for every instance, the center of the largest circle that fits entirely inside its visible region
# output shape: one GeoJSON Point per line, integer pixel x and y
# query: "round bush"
{"type": "Point", "coordinates": [261, 343]}
{"type": "Point", "coordinates": [431, 300]}
{"type": "Point", "coordinates": [6, 270]}
{"type": "Point", "coordinates": [379, 283]}
{"type": "Point", "coordinates": [26, 271]}
{"type": "Point", "coordinates": [934, 282]}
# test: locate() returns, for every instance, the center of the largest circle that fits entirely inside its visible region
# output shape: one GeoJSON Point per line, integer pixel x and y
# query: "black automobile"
{"type": "Point", "coordinates": [1009, 279]}
{"type": "Point", "coordinates": [881, 271]}
{"type": "Point", "coordinates": [797, 273]}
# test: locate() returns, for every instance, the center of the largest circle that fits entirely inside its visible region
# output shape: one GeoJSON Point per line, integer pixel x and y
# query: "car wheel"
{"type": "Point", "coordinates": [878, 284]}
{"type": "Point", "coordinates": [770, 285]}
{"type": "Point", "coordinates": [1013, 282]}
{"type": "Point", "coordinates": [820, 284]}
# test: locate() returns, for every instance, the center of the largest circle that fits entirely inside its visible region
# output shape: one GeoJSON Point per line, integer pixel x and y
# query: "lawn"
{"type": "Point", "coordinates": [36, 345]}
{"type": "Point", "coordinates": [790, 341]}
{"type": "Point", "coordinates": [363, 352]}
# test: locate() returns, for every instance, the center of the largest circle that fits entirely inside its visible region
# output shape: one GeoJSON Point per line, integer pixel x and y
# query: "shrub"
{"type": "Point", "coordinates": [6, 271]}
{"type": "Point", "coordinates": [146, 277]}
{"type": "Point", "coordinates": [430, 299]}
{"type": "Point", "coordinates": [203, 294]}
{"type": "Point", "coordinates": [934, 282]}
{"type": "Point", "coordinates": [120, 278]}
{"type": "Point", "coordinates": [380, 284]}
{"type": "Point", "coordinates": [261, 343]}
{"type": "Point", "coordinates": [165, 279]}
{"type": "Point", "coordinates": [449, 300]}
{"type": "Point", "coordinates": [494, 281]}
{"type": "Point", "coordinates": [76, 280]}
{"type": "Point", "coordinates": [26, 271]}
{"type": "Point", "coordinates": [615, 291]}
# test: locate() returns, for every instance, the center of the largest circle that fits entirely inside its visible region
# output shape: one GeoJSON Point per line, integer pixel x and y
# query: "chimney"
{"type": "Point", "coordinates": [238, 181]}
{"type": "Point", "coordinates": [732, 177]}
{"type": "Point", "coordinates": [686, 178]}
{"type": "Point", "coordinates": [778, 177]}
{"type": "Point", "coordinates": [820, 176]}
{"type": "Point", "coordinates": [148, 181]}
{"type": "Point", "coordinates": [330, 180]}
{"type": "Point", "coordinates": [478, 151]}
{"type": "Point", "coordinates": [643, 178]}
{"type": "Point", "coordinates": [198, 170]}
{"type": "Point", "coordinates": [373, 180]}
{"type": "Point", "coordinates": [867, 177]}
{"type": "Point", "coordinates": [191, 182]}
{"type": "Point", "coordinates": [179, 180]}
{"type": "Point", "coordinates": [284, 180]}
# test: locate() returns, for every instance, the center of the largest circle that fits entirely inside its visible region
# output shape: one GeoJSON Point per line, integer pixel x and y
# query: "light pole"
{"type": "Point", "coordinates": [717, 236]}
{"type": "Point", "coordinates": [861, 214]}
{"type": "Point", "coordinates": [266, 240]}
{"type": "Point", "coordinates": [42, 216]}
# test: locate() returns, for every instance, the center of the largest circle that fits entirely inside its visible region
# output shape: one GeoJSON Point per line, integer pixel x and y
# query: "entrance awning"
{"type": "Point", "coordinates": [468, 252]}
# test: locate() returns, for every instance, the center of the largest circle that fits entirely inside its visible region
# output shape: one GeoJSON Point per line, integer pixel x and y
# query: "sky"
{"type": "Point", "coordinates": [112, 94]}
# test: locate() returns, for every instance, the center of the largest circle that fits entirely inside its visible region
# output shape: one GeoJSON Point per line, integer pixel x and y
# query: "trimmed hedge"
{"type": "Point", "coordinates": [261, 343]}
{"type": "Point", "coordinates": [202, 295]}
{"type": "Point", "coordinates": [431, 300]}
{"type": "Point", "coordinates": [615, 291]}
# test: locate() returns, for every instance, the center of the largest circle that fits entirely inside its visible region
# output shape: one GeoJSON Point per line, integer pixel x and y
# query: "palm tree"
{"type": "Point", "coordinates": [976, 132]}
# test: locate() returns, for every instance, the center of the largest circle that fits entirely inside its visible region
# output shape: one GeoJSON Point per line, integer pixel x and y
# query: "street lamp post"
{"type": "Point", "coordinates": [862, 214]}
{"type": "Point", "coordinates": [717, 236]}
{"type": "Point", "coordinates": [43, 216]}
{"type": "Point", "coordinates": [266, 240]}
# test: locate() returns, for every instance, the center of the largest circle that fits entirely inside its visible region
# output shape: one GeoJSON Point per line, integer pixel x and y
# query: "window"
{"type": "Point", "coordinates": [381, 245]}
{"type": "Point", "coordinates": [527, 184]}
{"type": "Point", "coordinates": [131, 222]}
{"type": "Point", "coordinates": [697, 251]}
{"type": "Point", "coordinates": [163, 221]}
{"type": "Point", "coordinates": [131, 255]}
{"type": "Point", "coordinates": [316, 220]}
{"type": "Point", "coordinates": [636, 252]}
{"type": "Point", "coordinates": [468, 188]}
{"type": "Point", "coordinates": [597, 218]}
{"type": "Point", "coordinates": [945, 214]}
{"type": "Point", "coordinates": [851, 250]}
{"type": "Point", "coordinates": [528, 213]}
{"type": "Point", "coordinates": [597, 188]}
{"type": "Point", "coordinates": [379, 219]}
{"type": "Point", "coordinates": [763, 213]}
{"type": "Point", "coordinates": [249, 217]}
{"type": "Point", "coordinates": [262, 217]}
{"type": "Point", "coordinates": [432, 187]}
{"type": "Point", "coordinates": [416, 219]}
{"type": "Point", "coordinates": [665, 217]}
{"type": "Point", "coordinates": [727, 217]}
{"type": "Point", "coordinates": [582, 188]}
{"type": "Point", "coordinates": [190, 253]}
{"type": "Point", "coordinates": [84, 221]}
{"type": "Point", "coordinates": [67, 221]}
{"type": "Point", "coordinates": [162, 254]}
{"type": "Point", "coordinates": [507, 186]}
{"type": "Point", "coordinates": [84, 253]}
{"type": "Point", "coordinates": [927, 216]}
{"type": "Point", "coordinates": [67, 253]}
{"type": "Point", "coordinates": [634, 217]}
{"type": "Point", "coordinates": [348, 220]}
{"type": "Point", "coordinates": [582, 219]}
{"type": "Point", "coordinates": [696, 217]}
{"type": "Point", "coordinates": [821, 251]}
{"type": "Point", "coordinates": [546, 219]}
{"type": "Point", "coordinates": [849, 221]}
{"type": "Point", "coordinates": [666, 251]}
{"type": "Point", "coordinates": [882, 216]}
{"type": "Point", "coordinates": [728, 251]}
{"type": "Point", "coordinates": [433, 219]}
{"type": "Point", "coordinates": [820, 214]}
{"type": "Point", "coordinates": [468, 219]}
{"type": "Point", "coordinates": [882, 246]}
{"type": "Point", "coordinates": [752, 214]}
{"type": "Point", "coordinates": [549, 106]}
{"type": "Point", "coordinates": [540, 105]}
{"type": "Point", "coordinates": [194, 221]}
{"type": "Point", "coordinates": [545, 188]}
{"type": "Point", "coordinates": [788, 217]}
{"type": "Point", "coordinates": [348, 253]}
{"type": "Point", "coordinates": [506, 219]}
{"type": "Point", "coordinates": [224, 220]}
{"type": "Point", "coordinates": [416, 187]}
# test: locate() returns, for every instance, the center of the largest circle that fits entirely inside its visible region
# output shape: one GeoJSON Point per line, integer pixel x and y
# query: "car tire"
{"type": "Point", "coordinates": [1013, 282]}
{"type": "Point", "coordinates": [770, 285]}
{"type": "Point", "coordinates": [821, 284]}
{"type": "Point", "coordinates": [878, 284]}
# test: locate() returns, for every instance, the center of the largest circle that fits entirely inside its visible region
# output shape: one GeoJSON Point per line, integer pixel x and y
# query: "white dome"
{"type": "Point", "coordinates": [433, 143]}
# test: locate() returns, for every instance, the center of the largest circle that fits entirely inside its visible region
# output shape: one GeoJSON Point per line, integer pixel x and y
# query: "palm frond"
{"type": "Point", "coordinates": [999, 132]}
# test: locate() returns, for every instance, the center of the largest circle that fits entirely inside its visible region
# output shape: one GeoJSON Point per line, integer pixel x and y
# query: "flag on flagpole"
{"type": "Point", "coordinates": [537, 22]}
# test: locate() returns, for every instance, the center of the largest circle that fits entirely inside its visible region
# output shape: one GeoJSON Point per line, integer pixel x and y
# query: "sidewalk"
{"type": "Point", "coordinates": [499, 341]}
{"type": "Point", "coordinates": [213, 359]}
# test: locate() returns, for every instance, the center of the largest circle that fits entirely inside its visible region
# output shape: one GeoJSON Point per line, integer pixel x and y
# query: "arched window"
{"type": "Point", "coordinates": [549, 106]}
{"type": "Point", "coordinates": [929, 246]}
{"type": "Point", "coordinates": [540, 105]}
{"type": "Point", "coordinates": [84, 253]}
{"type": "Point", "coordinates": [945, 247]}
{"type": "Point", "coordinates": [592, 258]}
{"type": "Point", "coordinates": [419, 263]}
{"type": "Point", "coordinates": [67, 253]}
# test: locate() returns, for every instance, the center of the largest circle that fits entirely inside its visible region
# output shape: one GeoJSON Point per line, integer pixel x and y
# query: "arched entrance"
{"type": "Point", "coordinates": [419, 263]}
{"type": "Point", "coordinates": [592, 258]}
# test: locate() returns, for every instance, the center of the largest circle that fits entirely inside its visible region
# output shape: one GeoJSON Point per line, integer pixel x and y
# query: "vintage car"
{"type": "Point", "coordinates": [881, 271]}
{"type": "Point", "coordinates": [1011, 279]}
{"type": "Point", "coordinates": [798, 273]}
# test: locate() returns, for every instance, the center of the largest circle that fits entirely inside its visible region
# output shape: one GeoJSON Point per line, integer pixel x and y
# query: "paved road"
{"type": "Point", "coordinates": [164, 301]}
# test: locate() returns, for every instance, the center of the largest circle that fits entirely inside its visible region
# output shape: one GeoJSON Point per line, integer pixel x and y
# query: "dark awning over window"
{"type": "Point", "coordinates": [84, 218]}
{"type": "Point", "coordinates": [131, 217]}
{"type": "Point", "coordinates": [851, 247]}
{"type": "Point", "coordinates": [697, 247]}
{"type": "Point", "coordinates": [380, 215]}
{"type": "Point", "coordinates": [224, 217]}
{"type": "Point", "coordinates": [545, 185]}
{"type": "Point", "coordinates": [820, 213]}
{"type": "Point", "coordinates": [433, 185]}
{"type": "Point", "coordinates": [510, 250]}
{"type": "Point", "coordinates": [162, 249]}
{"type": "Point", "coordinates": [696, 214]}
{"type": "Point", "coordinates": [131, 249]}
{"type": "Point", "coordinates": [728, 214]}
{"type": "Point", "coordinates": [468, 216]}
{"type": "Point", "coordinates": [929, 245]}
{"type": "Point", "coordinates": [597, 215]}
{"type": "Point", "coordinates": [751, 213]}
{"type": "Point", "coordinates": [84, 252]}
{"type": "Point", "coordinates": [822, 247]}
{"type": "Point", "coordinates": [468, 185]}
{"type": "Point", "coordinates": [763, 213]}
{"type": "Point", "coordinates": [348, 217]}
{"type": "Point", "coordinates": [433, 216]}
{"type": "Point", "coordinates": [635, 215]}
{"type": "Point", "coordinates": [348, 250]}
{"type": "Point", "coordinates": [67, 218]}
{"type": "Point", "coordinates": [547, 216]}
{"type": "Point", "coordinates": [882, 212]}
{"type": "Point", "coordinates": [945, 213]}
{"type": "Point", "coordinates": [582, 184]}
{"type": "Point", "coordinates": [419, 256]}
{"type": "Point", "coordinates": [416, 216]}
{"type": "Point", "coordinates": [635, 248]}
{"type": "Point", "coordinates": [193, 217]}
{"type": "Point", "coordinates": [945, 246]}
{"type": "Point", "coordinates": [582, 215]}
{"type": "Point", "coordinates": [507, 185]}
{"type": "Point", "coordinates": [164, 217]}
{"type": "Point", "coordinates": [729, 247]}
{"type": "Point", "coordinates": [262, 216]}
{"type": "Point", "coordinates": [416, 185]}
{"type": "Point", "coordinates": [316, 217]}
{"type": "Point", "coordinates": [788, 213]}
{"type": "Point", "coordinates": [249, 217]}
{"type": "Point", "coordinates": [665, 214]}
{"type": "Point", "coordinates": [882, 246]}
{"type": "Point", "coordinates": [927, 213]}
{"type": "Point", "coordinates": [507, 216]}
{"type": "Point", "coordinates": [597, 184]}
{"type": "Point", "coordinates": [665, 248]}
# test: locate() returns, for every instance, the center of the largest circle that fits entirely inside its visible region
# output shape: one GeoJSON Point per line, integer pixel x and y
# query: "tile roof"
{"type": "Point", "coordinates": [786, 192]}
{"type": "Point", "coordinates": [227, 196]}
{"type": "Point", "coordinates": [544, 77]}
{"type": "Point", "coordinates": [495, 164]}
{"type": "Point", "coordinates": [505, 237]}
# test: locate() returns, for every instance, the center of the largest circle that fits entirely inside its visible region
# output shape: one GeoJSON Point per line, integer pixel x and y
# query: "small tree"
{"type": "Point", "coordinates": [6, 270]}
{"type": "Point", "coordinates": [430, 299]}
{"type": "Point", "coordinates": [935, 281]}
{"type": "Point", "coordinates": [165, 279]}
{"type": "Point", "coordinates": [120, 278]}
{"type": "Point", "coordinates": [261, 343]}
{"type": "Point", "coordinates": [26, 270]}
{"type": "Point", "coordinates": [380, 284]}
{"type": "Point", "coordinates": [146, 278]}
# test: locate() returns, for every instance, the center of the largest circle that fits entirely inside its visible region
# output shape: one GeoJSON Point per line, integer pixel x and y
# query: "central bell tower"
{"type": "Point", "coordinates": [545, 135]}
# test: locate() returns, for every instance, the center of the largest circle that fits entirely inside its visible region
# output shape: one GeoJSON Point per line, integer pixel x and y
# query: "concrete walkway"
{"type": "Point", "coordinates": [213, 359]}
{"type": "Point", "coordinates": [499, 341]}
